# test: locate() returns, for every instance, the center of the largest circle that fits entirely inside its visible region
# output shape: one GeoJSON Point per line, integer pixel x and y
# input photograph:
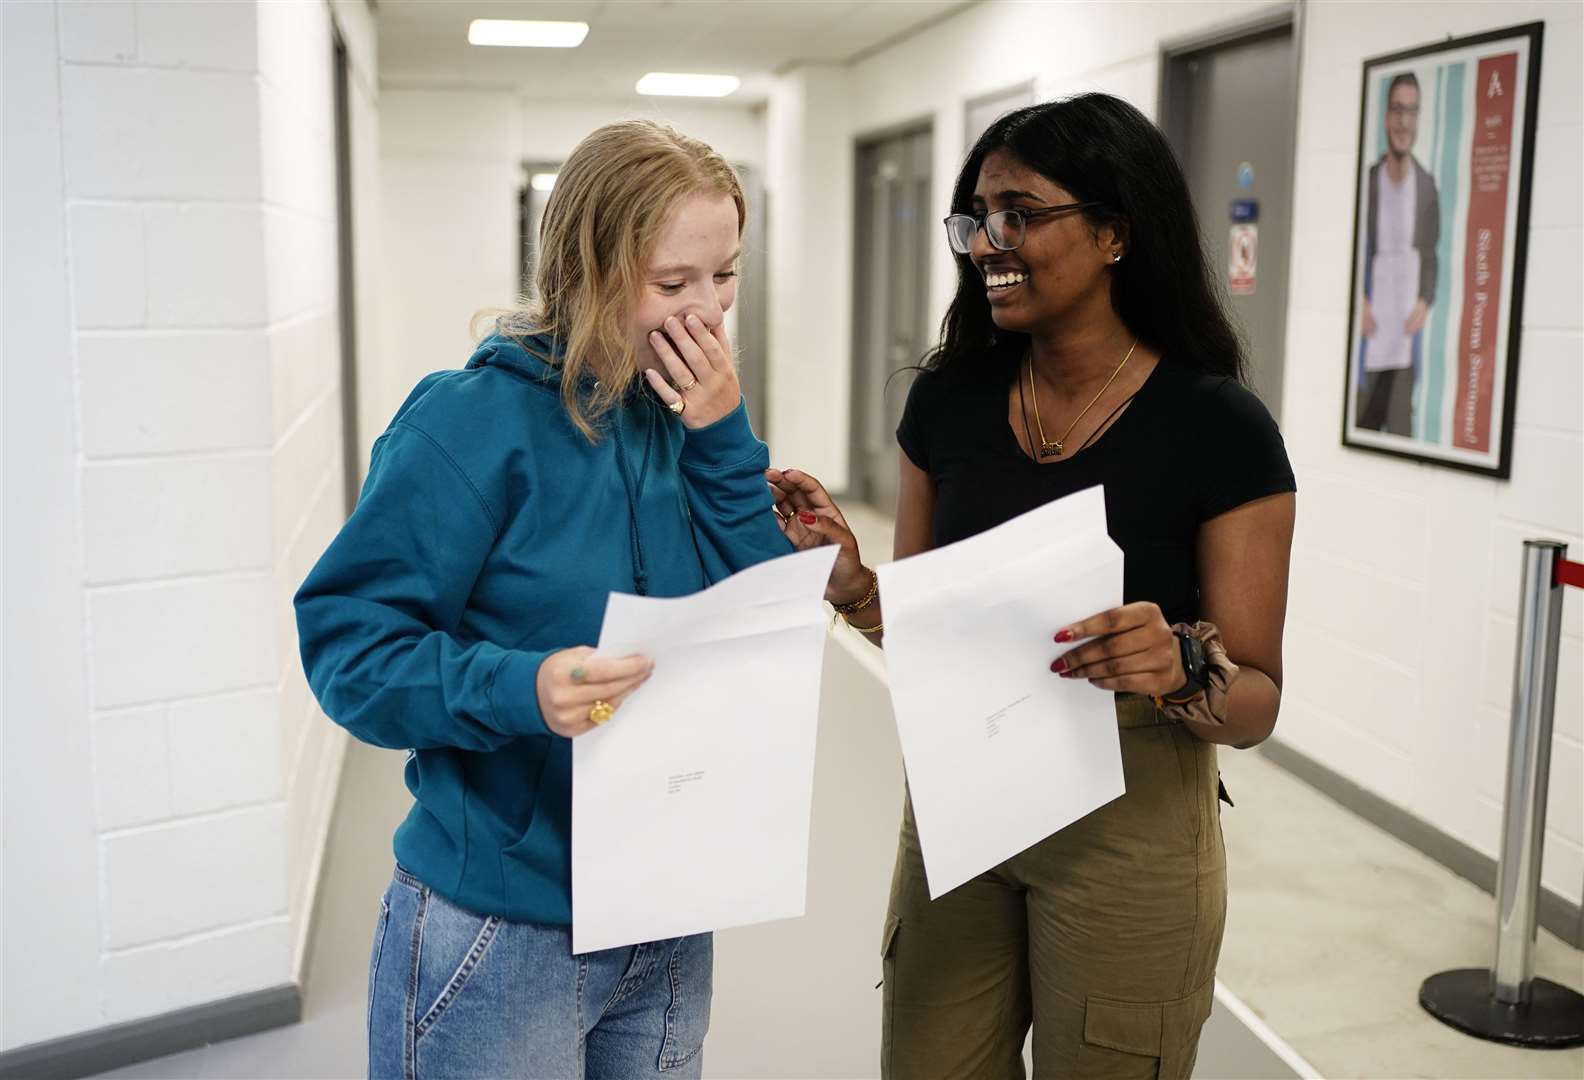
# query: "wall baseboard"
{"type": "Point", "coordinates": [1557, 914]}
{"type": "Point", "coordinates": [153, 1037]}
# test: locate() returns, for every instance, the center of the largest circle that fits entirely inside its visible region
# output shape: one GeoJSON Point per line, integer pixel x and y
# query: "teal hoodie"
{"type": "Point", "coordinates": [489, 534]}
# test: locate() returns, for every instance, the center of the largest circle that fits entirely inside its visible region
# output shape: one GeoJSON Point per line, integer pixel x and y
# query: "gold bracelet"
{"type": "Point", "coordinates": [868, 598]}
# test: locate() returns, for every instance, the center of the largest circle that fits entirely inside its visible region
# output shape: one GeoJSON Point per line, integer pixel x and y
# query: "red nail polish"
{"type": "Point", "coordinates": [1059, 666]}
{"type": "Point", "coordinates": [806, 517]}
{"type": "Point", "coordinates": [1064, 635]}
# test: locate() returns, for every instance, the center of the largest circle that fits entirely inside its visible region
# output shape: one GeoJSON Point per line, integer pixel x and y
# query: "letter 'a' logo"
{"type": "Point", "coordinates": [1495, 87]}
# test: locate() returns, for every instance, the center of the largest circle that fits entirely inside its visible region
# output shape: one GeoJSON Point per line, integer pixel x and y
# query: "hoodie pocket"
{"type": "Point", "coordinates": [520, 848]}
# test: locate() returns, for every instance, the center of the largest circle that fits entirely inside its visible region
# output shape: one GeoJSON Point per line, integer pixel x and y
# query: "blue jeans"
{"type": "Point", "coordinates": [454, 994]}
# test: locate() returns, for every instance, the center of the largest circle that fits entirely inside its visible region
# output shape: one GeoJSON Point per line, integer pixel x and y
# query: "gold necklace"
{"type": "Point", "coordinates": [1050, 449]}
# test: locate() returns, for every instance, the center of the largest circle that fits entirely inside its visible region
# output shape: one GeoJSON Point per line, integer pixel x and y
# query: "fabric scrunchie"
{"type": "Point", "coordinates": [1209, 707]}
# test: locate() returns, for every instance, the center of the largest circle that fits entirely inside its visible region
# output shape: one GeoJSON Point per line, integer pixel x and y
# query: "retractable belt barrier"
{"type": "Point", "coordinates": [1507, 1003]}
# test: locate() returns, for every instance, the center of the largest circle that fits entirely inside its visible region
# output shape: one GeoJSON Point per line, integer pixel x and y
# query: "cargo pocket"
{"type": "Point", "coordinates": [1190, 765]}
{"type": "Point", "coordinates": [888, 982]}
{"type": "Point", "coordinates": [1144, 1039]}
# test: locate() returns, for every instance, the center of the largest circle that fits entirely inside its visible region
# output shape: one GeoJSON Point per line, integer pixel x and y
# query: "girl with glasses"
{"type": "Point", "coordinates": [1086, 345]}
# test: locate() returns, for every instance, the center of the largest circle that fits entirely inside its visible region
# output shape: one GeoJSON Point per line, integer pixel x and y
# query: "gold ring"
{"type": "Point", "coordinates": [601, 712]}
{"type": "Point", "coordinates": [677, 406]}
{"type": "Point", "coordinates": [689, 386]}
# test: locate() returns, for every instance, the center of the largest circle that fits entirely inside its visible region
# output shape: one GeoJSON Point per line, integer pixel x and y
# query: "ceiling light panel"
{"type": "Point", "coordinates": [527, 33]}
{"type": "Point", "coordinates": [675, 84]}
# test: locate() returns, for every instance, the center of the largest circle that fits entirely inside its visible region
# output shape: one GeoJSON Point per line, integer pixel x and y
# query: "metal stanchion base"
{"type": "Point", "coordinates": [1553, 1019]}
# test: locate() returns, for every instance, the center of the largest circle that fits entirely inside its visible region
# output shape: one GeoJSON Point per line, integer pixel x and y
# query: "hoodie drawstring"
{"type": "Point", "coordinates": [635, 493]}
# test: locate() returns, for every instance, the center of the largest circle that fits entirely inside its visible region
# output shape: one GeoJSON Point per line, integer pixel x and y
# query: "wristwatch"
{"type": "Point", "coordinates": [1194, 667]}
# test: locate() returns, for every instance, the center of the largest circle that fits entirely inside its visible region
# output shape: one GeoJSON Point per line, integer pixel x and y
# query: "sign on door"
{"type": "Point", "coordinates": [1242, 250]}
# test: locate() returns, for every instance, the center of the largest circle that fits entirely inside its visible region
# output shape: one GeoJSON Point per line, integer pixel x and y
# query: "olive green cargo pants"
{"type": "Point", "coordinates": [1103, 936]}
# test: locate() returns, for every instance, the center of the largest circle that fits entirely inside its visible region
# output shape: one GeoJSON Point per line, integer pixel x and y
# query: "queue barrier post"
{"type": "Point", "coordinates": [1506, 1003]}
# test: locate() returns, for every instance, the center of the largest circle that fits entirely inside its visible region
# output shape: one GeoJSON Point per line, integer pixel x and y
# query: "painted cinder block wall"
{"type": "Point", "coordinates": [173, 428]}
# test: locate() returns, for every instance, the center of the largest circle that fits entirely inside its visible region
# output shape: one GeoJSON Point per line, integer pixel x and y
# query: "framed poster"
{"type": "Point", "coordinates": [1440, 224]}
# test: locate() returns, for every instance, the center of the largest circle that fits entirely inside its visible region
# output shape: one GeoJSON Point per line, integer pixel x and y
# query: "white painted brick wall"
{"type": "Point", "coordinates": [134, 132]}
{"type": "Point", "coordinates": [153, 979]}
{"type": "Point", "coordinates": [157, 518]}
{"type": "Point", "coordinates": [182, 638]}
{"type": "Point", "coordinates": [131, 753]}
{"type": "Point", "coordinates": [309, 806]}
{"type": "Point", "coordinates": [97, 32]}
{"type": "Point", "coordinates": [301, 262]}
{"type": "Point", "coordinates": [301, 461]}
{"type": "Point", "coordinates": [317, 529]}
{"type": "Point", "coordinates": [198, 34]}
{"type": "Point", "coordinates": [1419, 608]}
{"type": "Point", "coordinates": [185, 877]}
{"type": "Point", "coordinates": [298, 373]}
{"type": "Point", "coordinates": [298, 182]}
{"type": "Point", "coordinates": [109, 266]}
{"type": "Point", "coordinates": [206, 266]}
{"type": "Point", "coordinates": [168, 393]}
{"type": "Point", "coordinates": [225, 752]}
{"type": "Point", "coordinates": [197, 195]}
{"type": "Point", "coordinates": [296, 98]}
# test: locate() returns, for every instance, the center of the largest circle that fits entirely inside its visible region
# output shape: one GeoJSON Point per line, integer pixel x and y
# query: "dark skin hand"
{"type": "Point", "coordinates": [810, 518]}
{"type": "Point", "coordinates": [1243, 558]}
{"type": "Point", "coordinates": [1243, 590]}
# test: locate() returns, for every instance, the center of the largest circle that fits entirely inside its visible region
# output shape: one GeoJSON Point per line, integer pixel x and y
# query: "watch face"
{"type": "Point", "coordinates": [1193, 659]}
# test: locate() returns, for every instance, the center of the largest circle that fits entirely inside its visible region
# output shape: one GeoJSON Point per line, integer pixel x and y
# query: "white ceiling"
{"type": "Point", "coordinates": [424, 42]}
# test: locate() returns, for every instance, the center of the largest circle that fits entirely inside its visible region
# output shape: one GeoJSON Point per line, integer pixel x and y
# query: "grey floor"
{"type": "Point", "coordinates": [1332, 925]}
{"type": "Point", "coordinates": [329, 1040]}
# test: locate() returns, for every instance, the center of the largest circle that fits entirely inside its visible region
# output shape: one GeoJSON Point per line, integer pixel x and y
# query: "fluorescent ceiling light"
{"type": "Point", "coordinates": [543, 181]}
{"type": "Point", "coordinates": [677, 85]}
{"type": "Point", "coordinates": [527, 33]}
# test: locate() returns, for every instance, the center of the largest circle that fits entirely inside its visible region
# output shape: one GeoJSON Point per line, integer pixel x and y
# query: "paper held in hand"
{"type": "Point", "coordinates": [690, 809]}
{"type": "Point", "coordinates": [1000, 752]}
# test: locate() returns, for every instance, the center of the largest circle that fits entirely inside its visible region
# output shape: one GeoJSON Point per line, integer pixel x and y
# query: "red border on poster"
{"type": "Point", "coordinates": [1490, 166]}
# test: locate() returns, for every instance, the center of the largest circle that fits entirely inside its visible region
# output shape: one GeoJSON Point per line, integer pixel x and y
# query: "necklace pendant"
{"type": "Point", "coordinates": [1050, 450]}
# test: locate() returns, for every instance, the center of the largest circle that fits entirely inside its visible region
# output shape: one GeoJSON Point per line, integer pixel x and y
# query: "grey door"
{"type": "Point", "coordinates": [1229, 111]}
{"type": "Point", "coordinates": [894, 225]}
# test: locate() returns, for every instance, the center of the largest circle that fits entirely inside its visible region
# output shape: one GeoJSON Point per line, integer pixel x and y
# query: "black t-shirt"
{"type": "Point", "coordinates": [1191, 446]}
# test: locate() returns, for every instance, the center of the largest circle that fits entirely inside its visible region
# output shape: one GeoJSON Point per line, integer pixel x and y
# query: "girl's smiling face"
{"type": "Point", "coordinates": [692, 271]}
{"type": "Point", "coordinates": [1062, 261]}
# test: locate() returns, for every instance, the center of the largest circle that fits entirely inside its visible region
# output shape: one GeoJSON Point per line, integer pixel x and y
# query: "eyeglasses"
{"type": "Point", "coordinates": [1004, 229]}
{"type": "Point", "coordinates": [1399, 109]}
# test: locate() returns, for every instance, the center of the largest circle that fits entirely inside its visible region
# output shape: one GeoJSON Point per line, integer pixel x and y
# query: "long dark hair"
{"type": "Point", "coordinates": [1101, 149]}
